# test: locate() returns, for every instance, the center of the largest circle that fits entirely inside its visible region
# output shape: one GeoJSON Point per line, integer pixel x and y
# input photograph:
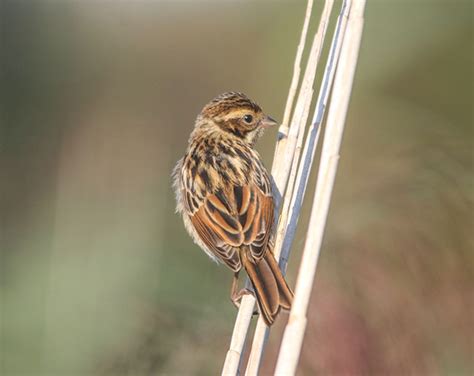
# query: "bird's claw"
{"type": "Point", "coordinates": [237, 298]}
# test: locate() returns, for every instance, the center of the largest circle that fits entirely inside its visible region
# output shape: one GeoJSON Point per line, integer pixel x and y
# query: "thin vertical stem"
{"type": "Point", "coordinates": [293, 337]}
{"type": "Point", "coordinates": [283, 129]}
{"type": "Point", "coordinates": [290, 213]}
{"type": "Point", "coordinates": [234, 354]}
{"type": "Point", "coordinates": [312, 139]}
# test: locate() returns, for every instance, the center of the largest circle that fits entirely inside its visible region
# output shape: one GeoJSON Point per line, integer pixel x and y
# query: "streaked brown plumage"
{"type": "Point", "coordinates": [225, 196]}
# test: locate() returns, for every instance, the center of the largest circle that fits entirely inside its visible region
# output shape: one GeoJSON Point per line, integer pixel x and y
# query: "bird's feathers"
{"type": "Point", "coordinates": [233, 217]}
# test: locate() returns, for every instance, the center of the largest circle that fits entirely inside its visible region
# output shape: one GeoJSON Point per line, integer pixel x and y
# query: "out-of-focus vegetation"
{"type": "Point", "coordinates": [98, 276]}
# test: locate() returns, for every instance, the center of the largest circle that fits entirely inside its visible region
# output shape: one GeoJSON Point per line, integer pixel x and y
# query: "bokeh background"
{"type": "Point", "coordinates": [97, 274]}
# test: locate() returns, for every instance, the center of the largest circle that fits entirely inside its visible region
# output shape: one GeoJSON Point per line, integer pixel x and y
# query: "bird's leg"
{"type": "Point", "coordinates": [236, 294]}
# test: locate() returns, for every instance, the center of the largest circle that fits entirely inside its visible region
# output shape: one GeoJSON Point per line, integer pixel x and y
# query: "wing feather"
{"type": "Point", "coordinates": [211, 237]}
{"type": "Point", "coordinates": [228, 218]}
{"type": "Point", "coordinates": [234, 217]}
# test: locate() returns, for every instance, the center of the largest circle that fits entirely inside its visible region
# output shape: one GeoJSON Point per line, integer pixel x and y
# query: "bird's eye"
{"type": "Point", "coordinates": [248, 118]}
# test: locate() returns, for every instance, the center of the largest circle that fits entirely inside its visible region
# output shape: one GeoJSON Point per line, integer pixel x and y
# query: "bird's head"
{"type": "Point", "coordinates": [235, 114]}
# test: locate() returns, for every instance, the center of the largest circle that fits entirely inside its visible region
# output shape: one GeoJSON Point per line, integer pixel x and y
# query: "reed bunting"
{"type": "Point", "coordinates": [224, 194]}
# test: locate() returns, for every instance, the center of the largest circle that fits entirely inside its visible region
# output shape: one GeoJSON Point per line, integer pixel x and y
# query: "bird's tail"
{"type": "Point", "coordinates": [271, 290]}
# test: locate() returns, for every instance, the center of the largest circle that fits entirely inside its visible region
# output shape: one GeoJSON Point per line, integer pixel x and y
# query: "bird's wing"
{"type": "Point", "coordinates": [236, 216]}
{"type": "Point", "coordinates": [262, 222]}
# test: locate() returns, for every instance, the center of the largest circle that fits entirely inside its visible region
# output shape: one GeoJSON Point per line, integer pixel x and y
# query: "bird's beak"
{"type": "Point", "coordinates": [268, 122]}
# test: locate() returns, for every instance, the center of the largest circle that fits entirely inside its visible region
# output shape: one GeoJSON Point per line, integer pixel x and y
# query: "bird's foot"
{"type": "Point", "coordinates": [236, 298]}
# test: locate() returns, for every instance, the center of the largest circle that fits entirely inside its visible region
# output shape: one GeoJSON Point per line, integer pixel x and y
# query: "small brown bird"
{"type": "Point", "coordinates": [224, 194]}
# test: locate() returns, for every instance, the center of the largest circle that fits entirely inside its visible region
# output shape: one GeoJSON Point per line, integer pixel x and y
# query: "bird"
{"type": "Point", "coordinates": [226, 198]}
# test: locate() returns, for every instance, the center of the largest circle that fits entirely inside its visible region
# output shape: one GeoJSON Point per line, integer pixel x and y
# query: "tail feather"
{"type": "Point", "coordinates": [271, 290]}
{"type": "Point", "coordinates": [286, 295]}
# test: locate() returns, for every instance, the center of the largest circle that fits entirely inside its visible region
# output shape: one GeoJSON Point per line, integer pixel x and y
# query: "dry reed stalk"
{"type": "Point", "coordinates": [293, 336]}
{"type": "Point", "coordinates": [295, 142]}
{"type": "Point", "coordinates": [306, 163]}
{"type": "Point", "coordinates": [284, 127]}
{"type": "Point", "coordinates": [290, 212]}
{"type": "Point", "coordinates": [244, 316]}
{"type": "Point", "coordinates": [304, 99]}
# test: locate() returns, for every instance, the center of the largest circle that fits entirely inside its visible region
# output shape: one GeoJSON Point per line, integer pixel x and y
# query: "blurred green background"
{"type": "Point", "coordinates": [98, 276]}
